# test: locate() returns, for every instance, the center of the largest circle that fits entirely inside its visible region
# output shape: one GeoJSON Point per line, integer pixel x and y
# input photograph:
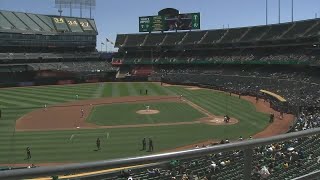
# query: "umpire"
{"type": "Point", "coordinates": [144, 144]}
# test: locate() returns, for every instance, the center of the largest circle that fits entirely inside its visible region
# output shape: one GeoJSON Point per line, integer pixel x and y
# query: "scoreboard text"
{"type": "Point", "coordinates": [169, 23]}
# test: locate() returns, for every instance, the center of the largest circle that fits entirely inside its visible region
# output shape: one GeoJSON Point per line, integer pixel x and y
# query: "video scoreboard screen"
{"type": "Point", "coordinates": [169, 23]}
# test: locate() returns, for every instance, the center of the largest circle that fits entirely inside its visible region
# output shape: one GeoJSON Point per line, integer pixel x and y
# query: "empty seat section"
{"type": "Point", "coordinates": [276, 31]}
{"type": "Point", "coordinates": [299, 29]}
{"type": "Point", "coordinates": [213, 36]}
{"type": "Point", "coordinates": [135, 39]}
{"type": "Point", "coordinates": [93, 24]}
{"type": "Point", "coordinates": [173, 38]}
{"type": "Point", "coordinates": [17, 23]}
{"type": "Point", "coordinates": [47, 20]}
{"type": "Point", "coordinates": [120, 40]}
{"type": "Point", "coordinates": [234, 35]}
{"type": "Point", "coordinates": [154, 39]}
{"type": "Point", "coordinates": [255, 33]}
{"type": "Point", "coordinates": [315, 31]}
{"type": "Point", "coordinates": [42, 25]}
{"type": "Point", "coordinates": [31, 24]}
{"type": "Point", "coordinates": [4, 55]}
{"type": "Point", "coordinates": [4, 23]}
{"type": "Point", "coordinates": [194, 37]}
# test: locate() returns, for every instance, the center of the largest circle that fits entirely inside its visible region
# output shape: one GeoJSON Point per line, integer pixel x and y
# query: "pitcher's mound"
{"type": "Point", "coordinates": [150, 111]}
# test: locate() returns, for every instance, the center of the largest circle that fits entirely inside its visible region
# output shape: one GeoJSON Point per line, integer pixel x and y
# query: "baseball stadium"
{"type": "Point", "coordinates": [171, 101]}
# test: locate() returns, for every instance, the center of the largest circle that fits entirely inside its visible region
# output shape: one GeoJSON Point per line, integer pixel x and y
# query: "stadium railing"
{"type": "Point", "coordinates": [173, 39]}
{"type": "Point", "coordinates": [311, 176]}
{"type": "Point", "coordinates": [246, 146]}
{"type": "Point", "coordinates": [205, 60]}
{"type": "Point", "coordinates": [154, 39]}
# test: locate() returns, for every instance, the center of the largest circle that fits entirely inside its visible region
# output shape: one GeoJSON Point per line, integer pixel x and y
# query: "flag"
{"type": "Point", "coordinates": [109, 41]}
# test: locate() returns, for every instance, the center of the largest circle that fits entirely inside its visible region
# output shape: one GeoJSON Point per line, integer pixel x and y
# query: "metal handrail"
{"type": "Point", "coordinates": [311, 176]}
{"type": "Point", "coordinates": [116, 163]}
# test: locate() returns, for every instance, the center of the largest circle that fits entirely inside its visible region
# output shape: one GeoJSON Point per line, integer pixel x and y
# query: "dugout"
{"type": "Point", "coordinates": [277, 102]}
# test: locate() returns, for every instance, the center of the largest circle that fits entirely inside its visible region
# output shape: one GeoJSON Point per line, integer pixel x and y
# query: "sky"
{"type": "Point", "coordinates": [121, 16]}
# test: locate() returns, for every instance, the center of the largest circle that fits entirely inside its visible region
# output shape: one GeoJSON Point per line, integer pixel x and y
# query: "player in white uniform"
{"type": "Point", "coordinates": [82, 113]}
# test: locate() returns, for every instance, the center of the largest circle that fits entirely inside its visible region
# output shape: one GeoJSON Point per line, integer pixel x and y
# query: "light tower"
{"type": "Point", "coordinates": [75, 4]}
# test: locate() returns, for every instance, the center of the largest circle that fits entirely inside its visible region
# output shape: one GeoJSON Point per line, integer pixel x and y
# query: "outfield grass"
{"type": "Point", "coordinates": [54, 146]}
{"type": "Point", "coordinates": [125, 114]}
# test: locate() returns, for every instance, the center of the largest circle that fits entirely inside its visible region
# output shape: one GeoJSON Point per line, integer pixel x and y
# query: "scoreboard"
{"type": "Point", "coordinates": [169, 23]}
{"type": "Point", "coordinates": [151, 23]}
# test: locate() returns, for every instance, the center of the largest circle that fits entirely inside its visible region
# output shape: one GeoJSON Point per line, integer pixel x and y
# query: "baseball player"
{"type": "Point", "coordinates": [271, 118]}
{"type": "Point", "coordinates": [148, 108]}
{"type": "Point", "coordinates": [181, 97]}
{"type": "Point", "coordinates": [77, 96]}
{"type": "Point", "coordinates": [98, 143]}
{"type": "Point", "coordinates": [226, 119]}
{"type": "Point", "coordinates": [144, 144]}
{"type": "Point", "coordinates": [82, 113]}
{"type": "Point", "coordinates": [45, 107]}
{"type": "Point", "coordinates": [28, 153]}
{"type": "Point", "coordinates": [150, 145]}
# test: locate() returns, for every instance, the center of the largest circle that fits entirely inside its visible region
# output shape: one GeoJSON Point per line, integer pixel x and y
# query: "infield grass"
{"type": "Point", "coordinates": [125, 114]}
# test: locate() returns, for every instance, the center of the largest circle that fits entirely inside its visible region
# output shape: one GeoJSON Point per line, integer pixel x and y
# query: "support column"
{"type": "Point", "coordinates": [248, 157]}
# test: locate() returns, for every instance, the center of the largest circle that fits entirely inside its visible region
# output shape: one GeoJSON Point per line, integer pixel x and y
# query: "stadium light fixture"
{"type": "Point", "coordinates": [266, 12]}
{"type": "Point", "coordinates": [75, 4]}
{"type": "Point", "coordinates": [292, 10]}
{"type": "Point", "coordinates": [279, 6]}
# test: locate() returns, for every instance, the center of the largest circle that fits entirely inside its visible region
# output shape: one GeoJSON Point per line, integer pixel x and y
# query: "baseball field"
{"type": "Point", "coordinates": [61, 123]}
